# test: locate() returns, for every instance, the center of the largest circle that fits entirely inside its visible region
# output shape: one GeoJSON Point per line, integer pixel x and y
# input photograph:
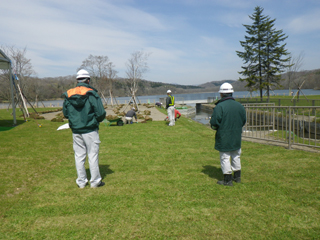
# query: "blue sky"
{"type": "Point", "coordinates": [190, 41]}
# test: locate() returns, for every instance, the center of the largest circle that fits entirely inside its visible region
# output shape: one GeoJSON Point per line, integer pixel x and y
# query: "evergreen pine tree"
{"type": "Point", "coordinates": [276, 61]}
{"type": "Point", "coordinates": [263, 54]}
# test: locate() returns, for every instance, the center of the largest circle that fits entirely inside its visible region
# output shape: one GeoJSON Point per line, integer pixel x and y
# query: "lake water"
{"type": "Point", "coordinates": [188, 96]}
{"type": "Point", "coordinates": [202, 96]}
{"type": "Point", "coordinates": [200, 116]}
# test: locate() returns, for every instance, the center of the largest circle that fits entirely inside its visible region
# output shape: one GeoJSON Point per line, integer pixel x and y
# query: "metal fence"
{"type": "Point", "coordinates": [290, 125]}
{"type": "Point", "coordinates": [283, 101]}
{"type": "Point", "coordinates": [212, 99]}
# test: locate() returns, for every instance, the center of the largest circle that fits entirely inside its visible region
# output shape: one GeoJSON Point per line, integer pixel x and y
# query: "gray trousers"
{"type": "Point", "coordinates": [83, 145]}
{"type": "Point", "coordinates": [170, 112]}
{"type": "Point", "coordinates": [235, 164]}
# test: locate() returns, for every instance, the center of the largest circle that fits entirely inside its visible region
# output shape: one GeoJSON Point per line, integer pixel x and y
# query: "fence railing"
{"type": "Point", "coordinates": [290, 125]}
{"type": "Point", "coordinates": [283, 101]}
{"type": "Point", "coordinates": [257, 104]}
{"type": "Point", "coordinates": [212, 99]}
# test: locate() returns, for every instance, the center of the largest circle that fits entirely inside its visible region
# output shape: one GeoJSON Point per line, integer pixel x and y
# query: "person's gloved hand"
{"type": "Point", "coordinates": [213, 127]}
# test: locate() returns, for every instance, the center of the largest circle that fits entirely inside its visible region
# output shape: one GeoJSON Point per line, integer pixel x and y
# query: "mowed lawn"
{"type": "Point", "coordinates": [160, 184]}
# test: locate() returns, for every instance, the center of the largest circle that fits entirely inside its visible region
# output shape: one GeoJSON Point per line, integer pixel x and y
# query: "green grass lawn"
{"type": "Point", "coordinates": [160, 184]}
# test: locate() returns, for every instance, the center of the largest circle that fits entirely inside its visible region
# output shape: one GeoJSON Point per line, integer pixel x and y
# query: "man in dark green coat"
{"type": "Point", "coordinates": [228, 118]}
{"type": "Point", "coordinates": [84, 109]}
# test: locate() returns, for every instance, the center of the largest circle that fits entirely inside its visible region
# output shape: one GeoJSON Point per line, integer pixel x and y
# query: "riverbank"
{"type": "Point", "coordinates": [184, 97]}
{"type": "Point", "coordinates": [152, 111]}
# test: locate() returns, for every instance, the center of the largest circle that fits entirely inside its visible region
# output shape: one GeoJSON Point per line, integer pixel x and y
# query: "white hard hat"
{"type": "Point", "coordinates": [169, 91]}
{"type": "Point", "coordinates": [82, 74]}
{"type": "Point", "coordinates": [226, 88]}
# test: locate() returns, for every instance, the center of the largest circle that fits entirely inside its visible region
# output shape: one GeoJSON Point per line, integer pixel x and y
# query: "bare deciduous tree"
{"type": "Point", "coordinates": [136, 66]}
{"type": "Point", "coordinates": [35, 89]}
{"type": "Point", "coordinates": [110, 78]}
{"type": "Point", "coordinates": [294, 67]}
{"type": "Point", "coordinates": [21, 68]}
{"type": "Point", "coordinates": [99, 68]}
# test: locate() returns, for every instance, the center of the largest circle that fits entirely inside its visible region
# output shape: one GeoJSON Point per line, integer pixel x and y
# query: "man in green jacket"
{"type": "Point", "coordinates": [84, 109]}
{"type": "Point", "coordinates": [228, 118]}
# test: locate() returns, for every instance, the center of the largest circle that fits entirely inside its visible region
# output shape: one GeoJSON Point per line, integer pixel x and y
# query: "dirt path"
{"type": "Point", "coordinates": [49, 116]}
{"type": "Point", "coordinates": [156, 115]}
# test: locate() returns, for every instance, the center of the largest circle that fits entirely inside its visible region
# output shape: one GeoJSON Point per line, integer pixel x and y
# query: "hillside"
{"type": "Point", "coordinates": [51, 88]}
{"type": "Point", "coordinates": [309, 79]}
{"type": "Point", "coordinates": [215, 85]}
{"type": "Point", "coordinates": [158, 88]}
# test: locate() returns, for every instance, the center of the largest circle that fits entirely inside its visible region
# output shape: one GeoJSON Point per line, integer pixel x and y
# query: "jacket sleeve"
{"type": "Point", "coordinates": [65, 108]}
{"type": "Point", "coordinates": [98, 108]}
{"type": "Point", "coordinates": [168, 100]}
{"type": "Point", "coordinates": [244, 117]}
{"type": "Point", "coordinates": [216, 117]}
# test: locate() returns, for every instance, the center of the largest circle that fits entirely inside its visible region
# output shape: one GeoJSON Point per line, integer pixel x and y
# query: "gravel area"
{"type": "Point", "coordinates": [156, 115]}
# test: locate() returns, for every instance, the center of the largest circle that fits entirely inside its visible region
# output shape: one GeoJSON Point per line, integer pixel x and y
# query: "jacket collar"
{"type": "Point", "coordinates": [86, 85]}
{"type": "Point", "coordinates": [224, 99]}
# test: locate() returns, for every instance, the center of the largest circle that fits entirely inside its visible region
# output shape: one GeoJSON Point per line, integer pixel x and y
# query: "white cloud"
{"type": "Point", "coordinates": [191, 41]}
{"type": "Point", "coordinates": [309, 22]}
{"type": "Point", "coordinates": [71, 30]}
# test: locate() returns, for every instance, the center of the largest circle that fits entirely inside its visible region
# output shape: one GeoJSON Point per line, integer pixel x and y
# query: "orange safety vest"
{"type": "Point", "coordinates": [80, 90]}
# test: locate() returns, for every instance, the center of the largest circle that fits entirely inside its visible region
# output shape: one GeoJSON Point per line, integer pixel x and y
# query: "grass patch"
{"type": "Point", "coordinates": [160, 184]}
{"type": "Point", "coordinates": [312, 100]}
{"type": "Point", "coordinates": [284, 136]}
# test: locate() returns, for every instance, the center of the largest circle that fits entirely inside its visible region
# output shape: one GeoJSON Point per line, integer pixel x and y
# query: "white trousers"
{"type": "Point", "coordinates": [83, 145]}
{"type": "Point", "coordinates": [170, 112]}
{"type": "Point", "coordinates": [128, 119]}
{"type": "Point", "coordinates": [235, 165]}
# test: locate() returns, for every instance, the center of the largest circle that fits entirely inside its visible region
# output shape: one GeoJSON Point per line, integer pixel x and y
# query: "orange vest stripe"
{"type": "Point", "coordinates": [78, 91]}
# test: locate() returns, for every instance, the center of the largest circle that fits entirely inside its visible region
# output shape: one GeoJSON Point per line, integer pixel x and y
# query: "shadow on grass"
{"type": "Point", "coordinates": [7, 124]}
{"type": "Point", "coordinates": [104, 171]}
{"type": "Point", "coordinates": [212, 172]}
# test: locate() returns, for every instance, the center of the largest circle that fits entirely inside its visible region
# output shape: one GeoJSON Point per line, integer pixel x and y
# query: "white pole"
{"type": "Point", "coordinates": [12, 96]}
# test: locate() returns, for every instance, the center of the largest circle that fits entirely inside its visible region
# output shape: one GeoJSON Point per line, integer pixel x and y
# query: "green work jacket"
{"type": "Point", "coordinates": [228, 118]}
{"type": "Point", "coordinates": [84, 109]}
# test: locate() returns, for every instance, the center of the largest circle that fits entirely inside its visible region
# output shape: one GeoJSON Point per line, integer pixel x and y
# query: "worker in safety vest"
{"type": "Point", "coordinates": [177, 115]}
{"type": "Point", "coordinates": [170, 108]}
{"type": "Point", "coordinates": [84, 109]}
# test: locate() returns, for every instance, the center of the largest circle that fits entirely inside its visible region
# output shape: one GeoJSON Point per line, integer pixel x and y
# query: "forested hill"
{"type": "Point", "coordinates": [52, 88]}
{"type": "Point", "coordinates": [158, 88]}
{"type": "Point", "coordinates": [308, 79]}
